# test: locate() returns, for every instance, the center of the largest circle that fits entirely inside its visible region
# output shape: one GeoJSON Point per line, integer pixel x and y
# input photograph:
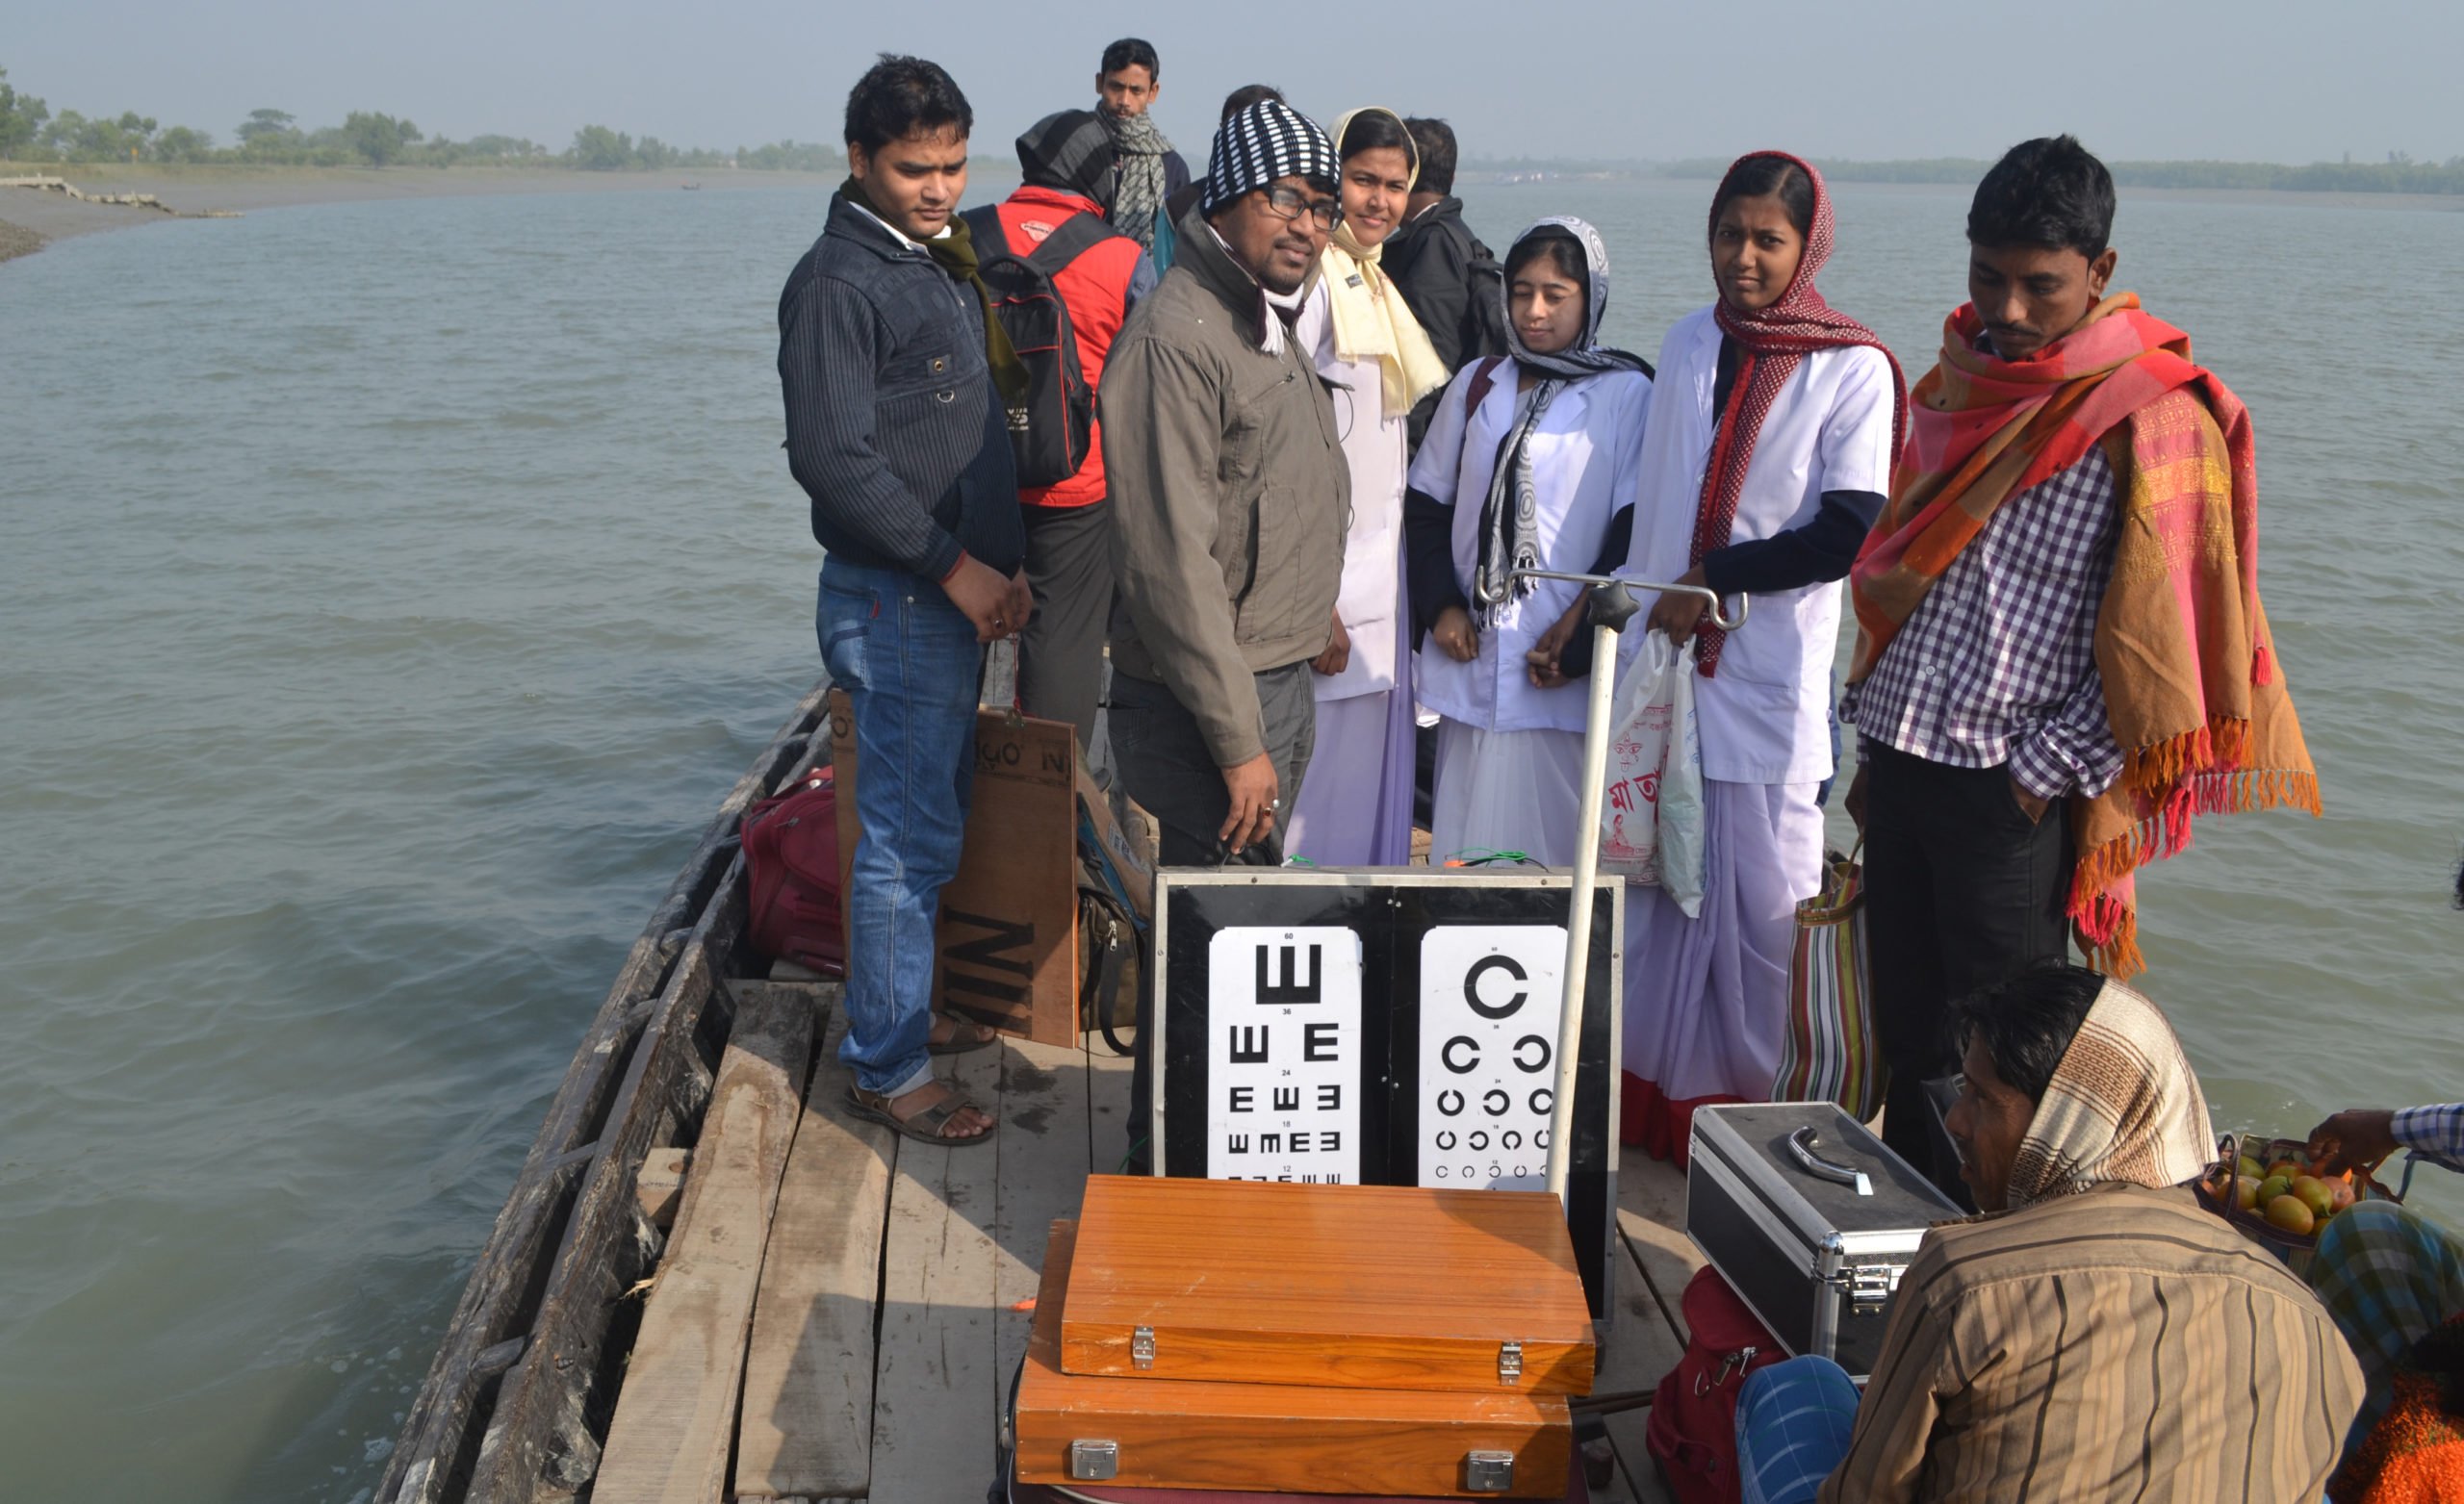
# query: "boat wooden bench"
{"type": "Point", "coordinates": [709, 1281]}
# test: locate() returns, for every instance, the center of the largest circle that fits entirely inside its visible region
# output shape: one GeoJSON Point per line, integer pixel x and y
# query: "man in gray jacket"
{"type": "Point", "coordinates": [1230, 498]}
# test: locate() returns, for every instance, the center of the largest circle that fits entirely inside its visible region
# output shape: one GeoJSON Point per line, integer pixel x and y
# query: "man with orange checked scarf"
{"type": "Point", "coordinates": [2061, 654]}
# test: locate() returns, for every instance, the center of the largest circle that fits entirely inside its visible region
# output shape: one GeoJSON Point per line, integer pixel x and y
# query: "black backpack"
{"type": "Point", "coordinates": [1051, 433]}
{"type": "Point", "coordinates": [1486, 311]}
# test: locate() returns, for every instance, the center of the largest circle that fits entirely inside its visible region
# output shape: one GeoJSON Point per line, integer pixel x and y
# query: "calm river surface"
{"type": "Point", "coordinates": [389, 590]}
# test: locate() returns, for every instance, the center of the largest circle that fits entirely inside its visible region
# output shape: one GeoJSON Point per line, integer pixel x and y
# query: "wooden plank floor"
{"type": "Point", "coordinates": [806, 1426]}
{"type": "Point", "coordinates": [676, 1419]}
{"type": "Point", "coordinates": [1648, 1337]}
{"type": "Point", "coordinates": [959, 1235]}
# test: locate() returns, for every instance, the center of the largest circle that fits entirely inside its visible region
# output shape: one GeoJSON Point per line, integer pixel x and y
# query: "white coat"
{"type": "Point", "coordinates": [1369, 598]}
{"type": "Point", "coordinates": [1583, 458]}
{"type": "Point", "coordinates": [1765, 712]}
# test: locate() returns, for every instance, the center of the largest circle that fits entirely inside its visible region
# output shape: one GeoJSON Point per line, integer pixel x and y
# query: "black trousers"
{"type": "Point", "coordinates": [1963, 890]}
{"type": "Point", "coordinates": [1060, 655]}
{"type": "Point", "coordinates": [1164, 765]}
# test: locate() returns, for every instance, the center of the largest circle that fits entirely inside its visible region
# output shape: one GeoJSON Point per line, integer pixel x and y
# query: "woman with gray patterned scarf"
{"type": "Point", "coordinates": [1530, 463]}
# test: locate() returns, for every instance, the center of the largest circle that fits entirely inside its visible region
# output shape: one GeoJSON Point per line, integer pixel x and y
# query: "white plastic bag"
{"type": "Point", "coordinates": [1650, 814]}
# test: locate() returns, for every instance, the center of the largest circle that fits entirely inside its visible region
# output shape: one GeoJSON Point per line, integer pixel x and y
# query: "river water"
{"type": "Point", "coordinates": [389, 591]}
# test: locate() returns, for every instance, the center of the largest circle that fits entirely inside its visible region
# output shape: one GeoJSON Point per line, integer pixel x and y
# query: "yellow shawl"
{"type": "Point", "coordinates": [1367, 312]}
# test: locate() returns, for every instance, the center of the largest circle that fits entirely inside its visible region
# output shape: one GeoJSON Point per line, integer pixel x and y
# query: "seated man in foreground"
{"type": "Point", "coordinates": [2093, 1333]}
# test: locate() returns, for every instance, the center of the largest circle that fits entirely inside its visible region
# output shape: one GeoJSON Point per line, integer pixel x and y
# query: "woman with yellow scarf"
{"type": "Point", "coordinates": [1355, 803]}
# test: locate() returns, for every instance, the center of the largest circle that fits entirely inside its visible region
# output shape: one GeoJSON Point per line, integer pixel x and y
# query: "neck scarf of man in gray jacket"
{"type": "Point", "coordinates": [1137, 197]}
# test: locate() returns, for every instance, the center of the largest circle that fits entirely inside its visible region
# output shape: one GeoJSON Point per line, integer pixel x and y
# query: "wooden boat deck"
{"type": "Point", "coordinates": [836, 1313]}
{"type": "Point", "coordinates": [951, 1241]}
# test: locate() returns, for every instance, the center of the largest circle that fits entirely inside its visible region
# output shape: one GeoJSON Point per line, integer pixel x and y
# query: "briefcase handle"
{"type": "Point", "coordinates": [1802, 1144]}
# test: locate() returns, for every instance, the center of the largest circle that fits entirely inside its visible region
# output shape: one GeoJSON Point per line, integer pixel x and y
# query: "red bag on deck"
{"type": "Point", "coordinates": [791, 872]}
{"type": "Point", "coordinates": [1693, 1424]}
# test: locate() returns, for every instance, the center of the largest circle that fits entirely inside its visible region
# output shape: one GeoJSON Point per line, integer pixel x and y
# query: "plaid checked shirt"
{"type": "Point", "coordinates": [2435, 1133]}
{"type": "Point", "coordinates": [1998, 664]}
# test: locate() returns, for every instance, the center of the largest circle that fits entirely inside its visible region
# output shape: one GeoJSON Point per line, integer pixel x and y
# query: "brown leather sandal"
{"type": "Point", "coordinates": [924, 1127]}
{"type": "Point", "coordinates": [959, 1042]}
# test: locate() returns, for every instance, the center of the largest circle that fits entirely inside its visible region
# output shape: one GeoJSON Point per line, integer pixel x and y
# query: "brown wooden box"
{"type": "Point", "coordinates": [1009, 924]}
{"type": "Point", "coordinates": [1273, 1438]}
{"type": "Point", "coordinates": [1355, 1287]}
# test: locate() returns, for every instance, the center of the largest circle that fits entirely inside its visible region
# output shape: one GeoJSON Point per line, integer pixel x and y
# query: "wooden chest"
{"type": "Point", "coordinates": [1344, 1286]}
{"type": "Point", "coordinates": [1145, 1432]}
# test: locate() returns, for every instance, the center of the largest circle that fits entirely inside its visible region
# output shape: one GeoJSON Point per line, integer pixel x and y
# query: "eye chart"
{"type": "Point", "coordinates": [1399, 1055]}
{"type": "Point", "coordinates": [1489, 1008]}
{"type": "Point", "coordinates": [1283, 1054]}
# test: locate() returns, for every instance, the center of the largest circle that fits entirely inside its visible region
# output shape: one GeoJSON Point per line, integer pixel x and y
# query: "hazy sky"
{"type": "Point", "coordinates": [2260, 80]}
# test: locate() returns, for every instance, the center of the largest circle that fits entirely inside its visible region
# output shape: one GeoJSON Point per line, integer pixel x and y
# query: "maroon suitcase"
{"type": "Point", "coordinates": [791, 872]}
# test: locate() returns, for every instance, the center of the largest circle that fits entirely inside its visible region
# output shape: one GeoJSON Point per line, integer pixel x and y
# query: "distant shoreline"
{"type": "Point", "coordinates": [2314, 198]}
{"type": "Point", "coordinates": [2397, 177]}
{"type": "Point", "coordinates": [2298, 199]}
{"type": "Point", "coordinates": [30, 217]}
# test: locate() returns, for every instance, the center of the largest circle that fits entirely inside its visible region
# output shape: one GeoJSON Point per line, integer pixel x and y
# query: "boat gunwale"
{"type": "Point", "coordinates": [452, 1439]}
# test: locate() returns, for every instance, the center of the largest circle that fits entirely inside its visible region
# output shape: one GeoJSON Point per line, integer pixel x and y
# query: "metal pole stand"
{"type": "Point", "coordinates": [1609, 608]}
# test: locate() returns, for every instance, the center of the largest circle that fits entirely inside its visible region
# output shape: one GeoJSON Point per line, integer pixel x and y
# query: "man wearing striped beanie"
{"type": "Point", "coordinates": [1229, 494]}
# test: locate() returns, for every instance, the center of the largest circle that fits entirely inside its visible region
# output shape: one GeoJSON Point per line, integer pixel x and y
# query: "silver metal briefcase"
{"type": "Point", "coordinates": [1809, 1218]}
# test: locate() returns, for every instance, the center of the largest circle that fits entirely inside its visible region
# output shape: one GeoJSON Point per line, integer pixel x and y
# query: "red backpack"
{"type": "Point", "coordinates": [1693, 1424]}
{"type": "Point", "coordinates": [791, 872]}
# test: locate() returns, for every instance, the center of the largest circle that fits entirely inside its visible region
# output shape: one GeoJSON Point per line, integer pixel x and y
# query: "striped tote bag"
{"type": "Point", "coordinates": [1830, 1053]}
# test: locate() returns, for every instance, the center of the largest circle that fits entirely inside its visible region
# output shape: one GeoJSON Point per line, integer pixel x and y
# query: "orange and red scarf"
{"type": "Point", "coordinates": [1774, 341]}
{"type": "Point", "coordinates": [2196, 698]}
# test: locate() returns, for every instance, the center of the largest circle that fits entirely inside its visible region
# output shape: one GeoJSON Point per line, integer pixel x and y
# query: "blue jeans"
{"type": "Point", "coordinates": [911, 669]}
{"type": "Point", "coordinates": [1793, 1421]}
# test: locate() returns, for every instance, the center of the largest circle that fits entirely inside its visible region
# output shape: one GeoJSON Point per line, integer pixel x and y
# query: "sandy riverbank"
{"type": "Point", "coordinates": [30, 217]}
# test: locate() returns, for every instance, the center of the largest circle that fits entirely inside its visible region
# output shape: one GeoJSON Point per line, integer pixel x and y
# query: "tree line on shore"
{"type": "Point", "coordinates": [29, 132]}
{"type": "Point", "coordinates": [2399, 173]}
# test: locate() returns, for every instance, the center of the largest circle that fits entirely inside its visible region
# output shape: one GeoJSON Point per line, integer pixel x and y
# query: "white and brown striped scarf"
{"type": "Point", "coordinates": [2122, 1106]}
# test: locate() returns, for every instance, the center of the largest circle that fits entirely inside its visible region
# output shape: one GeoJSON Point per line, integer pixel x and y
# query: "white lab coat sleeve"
{"type": "Point", "coordinates": [1437, 469]}
{"type": "Point", "coordinates": [1633, 425]}
{"type": "Point", "coordinates": [1855, 443]}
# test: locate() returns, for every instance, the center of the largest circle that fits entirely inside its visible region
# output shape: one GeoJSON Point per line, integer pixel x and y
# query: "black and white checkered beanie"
{"type": "Point", "coordinates": [1268, 141]}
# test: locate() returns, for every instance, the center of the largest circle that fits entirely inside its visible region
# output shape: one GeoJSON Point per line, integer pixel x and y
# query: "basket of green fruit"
{"type": "Point", "coordinates": [2268, 1188]}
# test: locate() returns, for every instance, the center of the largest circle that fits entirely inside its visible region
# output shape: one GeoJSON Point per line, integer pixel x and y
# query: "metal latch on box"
{"type": "Point", "coordinates": [1142, 1349]}
{"type": "Point", "coordinates": [1488, 1472]}
{"type": "Point", "coordinates": [1509, 1361]}
{"type": "Point", "coordinates": [1870, 1285]}
{"type": "Point", "coordinates": [1093, 1461]}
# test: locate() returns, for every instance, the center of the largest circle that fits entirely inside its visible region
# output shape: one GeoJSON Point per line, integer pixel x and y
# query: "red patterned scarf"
{"type": "Point", "coordinates": [1775, 341]}
{"type": "Point", "coordinates": [2196, 699]}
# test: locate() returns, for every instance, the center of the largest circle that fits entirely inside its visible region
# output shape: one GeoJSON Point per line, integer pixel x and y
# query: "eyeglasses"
{"type": "Point", "coordinates": [1289, 204]}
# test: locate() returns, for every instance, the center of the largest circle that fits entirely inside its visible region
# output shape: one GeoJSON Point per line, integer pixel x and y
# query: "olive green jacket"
{"type": "Point", "coordinates": [1229, 491]}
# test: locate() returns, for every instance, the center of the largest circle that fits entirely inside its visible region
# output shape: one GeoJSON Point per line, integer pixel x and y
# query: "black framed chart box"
{"type": "Point", "coordinates": [1392, 1026]}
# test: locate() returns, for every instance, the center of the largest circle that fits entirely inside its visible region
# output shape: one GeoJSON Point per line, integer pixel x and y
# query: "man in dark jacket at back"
{"type": "Point", "coordinates": [1431, 257]}
{"type": "Point", "coordinates": [897, 431]}
{"type": "Point", "coordinates": [1146, 171]}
